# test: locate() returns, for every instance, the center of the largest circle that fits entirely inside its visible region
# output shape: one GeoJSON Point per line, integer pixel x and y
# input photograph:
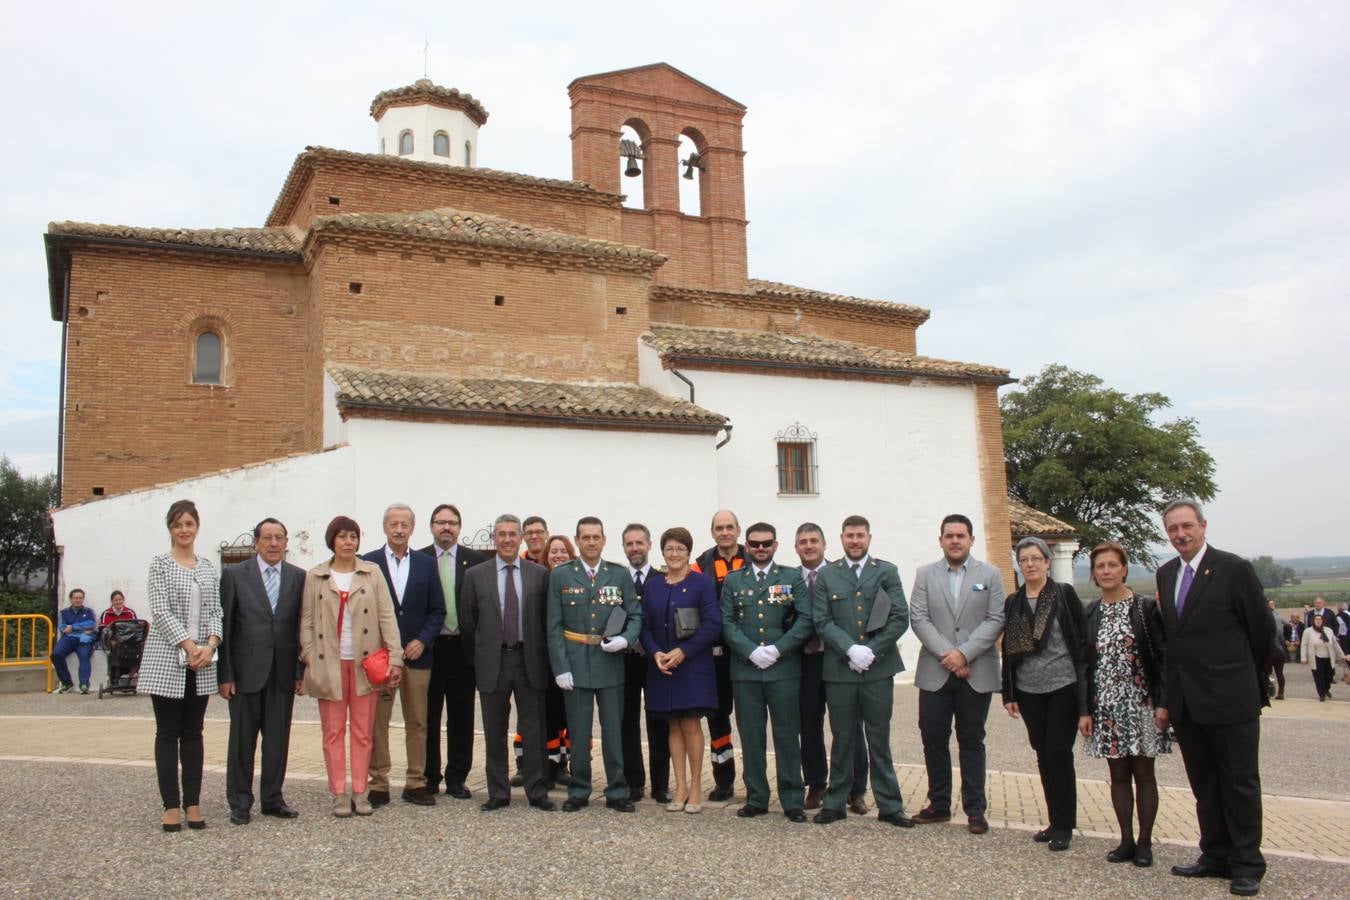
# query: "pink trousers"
{"type": "Point", "coordinates": [333, 718]}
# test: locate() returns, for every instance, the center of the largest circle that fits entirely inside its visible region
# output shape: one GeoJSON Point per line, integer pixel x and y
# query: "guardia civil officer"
{"type": "Point", "coordinates": [582, 596]}
{"type": "Point", "coordinates": [861, 660]}
{"type": "Point", "coordinates": [766, 619]}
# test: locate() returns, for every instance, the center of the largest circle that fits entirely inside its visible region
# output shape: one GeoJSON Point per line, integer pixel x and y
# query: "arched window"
{"type": "Point", "coordinates": [691, 177]}
{"type": "Point", "coordinates": [633, 163]}
{"type": "Point", "coordinates": [468, 153]}
{"type": "Point", "coordinates": [206, 359]}
{"type": "Point", "coordinates": [405, 144]}
{"type": "Point", "coordinates": [440, 144]}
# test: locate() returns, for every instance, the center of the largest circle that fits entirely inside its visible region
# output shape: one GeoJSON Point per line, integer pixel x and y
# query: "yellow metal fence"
{"type": "Point", "coordinates": [22, 647]}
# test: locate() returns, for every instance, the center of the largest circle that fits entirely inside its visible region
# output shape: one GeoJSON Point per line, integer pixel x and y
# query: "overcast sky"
{"type": "Point", "coordinates": [1156, 193]}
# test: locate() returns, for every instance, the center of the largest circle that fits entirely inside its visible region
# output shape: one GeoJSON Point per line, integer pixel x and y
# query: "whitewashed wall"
{"type": "Point", "coordinates": [424, 121]}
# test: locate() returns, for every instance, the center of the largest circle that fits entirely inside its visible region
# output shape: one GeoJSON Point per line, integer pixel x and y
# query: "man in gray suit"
{"type": "Point", "coordinates": [956, 610]}
{"type": "Point", "coordinates": [502, 620]}
{"type": "Point", "coordinates": [260, 670]}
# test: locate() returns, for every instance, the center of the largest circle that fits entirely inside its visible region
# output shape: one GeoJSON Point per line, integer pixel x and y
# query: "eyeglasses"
{"type": "Point", "coordinates": [761, 545]}
{"type": "Point", "coordinates": [441, 523]}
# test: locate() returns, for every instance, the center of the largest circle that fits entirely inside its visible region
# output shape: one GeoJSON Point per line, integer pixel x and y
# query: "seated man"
{"type": "Point", "coordinates": [76, 626]}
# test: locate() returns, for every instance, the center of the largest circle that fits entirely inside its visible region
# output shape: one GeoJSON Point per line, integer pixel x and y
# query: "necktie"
{"type": "Point", "coordinates": [1187, 577]}
{"type": "Point", "coordinates": [447, 567]}
{"type": "Point", "coordinates": [761, 577]}
{"type": "Point", "coordinates": [637, 583]}
{"type": "Point", "coordinates": [857, 570]}
{"type": "Point", "coordinates": [511, 614]}
{"type": "Point", "coordinates": [811, 582]}
{"type": "Point", "coordinates": [273, 585]}
{"type": "Point", "coordinates": [591, 572]}
{"type": "Point", "coordinates": [814, 644]}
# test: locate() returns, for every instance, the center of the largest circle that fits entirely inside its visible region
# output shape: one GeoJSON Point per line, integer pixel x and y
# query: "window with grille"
{"type": "Point", "coordinates": [797, 461]}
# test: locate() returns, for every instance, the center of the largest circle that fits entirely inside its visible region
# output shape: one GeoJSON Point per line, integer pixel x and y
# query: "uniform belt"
{"type": "Point", "coordinates": [577, 637]}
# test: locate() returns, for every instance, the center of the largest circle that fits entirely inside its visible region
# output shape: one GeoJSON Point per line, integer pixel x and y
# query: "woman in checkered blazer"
{"type": "Point", "coordinates": [185, 619]}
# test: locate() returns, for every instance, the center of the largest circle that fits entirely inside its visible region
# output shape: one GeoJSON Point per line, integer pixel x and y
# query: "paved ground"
{"type": "Point", "coordinates": [78, 783]}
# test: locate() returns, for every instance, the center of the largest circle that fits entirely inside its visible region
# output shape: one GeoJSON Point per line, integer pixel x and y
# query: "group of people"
{"type": "Point", "coordinates": [730, 630]}
{"type": "Point", "coordinates": [1320, 639]}
{"type": "Point", "coordinates": [79, 632]}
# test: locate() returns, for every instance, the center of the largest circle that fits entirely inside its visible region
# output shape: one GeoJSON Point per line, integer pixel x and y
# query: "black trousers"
{"type": "Point", "coordinates": [267, 711]}
{"type": "Point", "coordinates": [1052, 726]}
{"type": "Point", "coordinates": [970, 708]}
{"type": "Point", "coordinates": [811, 706]}
{"type": "Point", "coordinates": [1323, 676]}
{"type": "Point", "coordinates": [722, 751]}
{"type": "Point", "coordinates": [658, 731]}
{"type": "Point", "coordinates": [451, 691]}
{"type": "Point", "coordinates": [1222, 764]}
{"type": "Point", "coordinates": [514, 683]}
{"type": "Point", "coordinates": [178, 741]}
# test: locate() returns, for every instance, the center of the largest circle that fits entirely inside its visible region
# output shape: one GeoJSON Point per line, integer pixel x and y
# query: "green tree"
{"type": "Point", "coordinates": [1272, 574]}
{"type": "Point", "coordinates": [1099, 459]}
{"type": "Point", "coordinates": [24, 503]}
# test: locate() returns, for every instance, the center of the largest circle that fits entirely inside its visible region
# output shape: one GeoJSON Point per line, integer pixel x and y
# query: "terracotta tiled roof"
{"type": "Point", "coordinates": [1027, 522]}
{"type": "Point", "coordinates": [538, 402]}
{"type": "Point", "coordinates": [807, 295]}
{"type": "Point", "coordinates": [764, 349]}
{"type": "Point", "coordinates": [295, 179]}
{"type": "Point", "coordinates": [479, 228]}
{"type": "Point", "coordinates": [425, 90]}
{"type": "Point", "coordinates": [279, 241]}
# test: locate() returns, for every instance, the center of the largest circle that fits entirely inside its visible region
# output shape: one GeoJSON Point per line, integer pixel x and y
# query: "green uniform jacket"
{"type": "Point", "coordinates": [574, 604]}
{"type": "Point", "coordinates": [777, 612]}
{"type": "Point", "coordinates": [840, 608]}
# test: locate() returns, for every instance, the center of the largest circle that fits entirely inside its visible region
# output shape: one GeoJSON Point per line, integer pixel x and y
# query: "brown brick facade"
{"type": "Point", "coordinates": [994, 482]}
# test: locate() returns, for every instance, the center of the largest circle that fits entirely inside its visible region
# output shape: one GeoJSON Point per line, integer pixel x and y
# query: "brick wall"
{"type": "Point", "coordinates": [994, 482]}
{"type": "Point", "coordinates": [133, 417]}
{"type": "Point", "coordinates": [783, 317]}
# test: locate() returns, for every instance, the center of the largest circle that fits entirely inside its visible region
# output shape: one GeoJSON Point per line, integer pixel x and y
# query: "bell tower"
{"type": "Point", "coordinates": [430, 123]}
{"type": "Point", "coordinates": [661, 104]}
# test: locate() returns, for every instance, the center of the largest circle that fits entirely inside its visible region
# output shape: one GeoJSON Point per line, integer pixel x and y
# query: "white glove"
{"type": "Point", "coordinates": [860, 657]}
{"type": "Point", "coordinates": [856, 669]}
{"type": "Point", "coordinates": [773, 653]}
{"type": "Point", "coordinates": [615, 644]}
{"type": "Point", "coordinates": [761, 657]}
{"type": "Point", "coordinates": [564, 681]}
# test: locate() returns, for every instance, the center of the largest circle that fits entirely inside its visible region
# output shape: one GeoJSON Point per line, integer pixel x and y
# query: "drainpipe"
{"type": "Point", "coordinates": [677, 374]}
{"type": "Point", "coordinates": [726, 440]}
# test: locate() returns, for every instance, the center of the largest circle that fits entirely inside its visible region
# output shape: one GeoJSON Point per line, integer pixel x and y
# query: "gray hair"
{"type": "Point", "coordinates": [506, 517]}
{"type": "Point", "coordinates": [396, 507]}
{"type": "Point", "coordinates": [1183, 502]}
{"type": "Point", "coordinates": [1032, 541]}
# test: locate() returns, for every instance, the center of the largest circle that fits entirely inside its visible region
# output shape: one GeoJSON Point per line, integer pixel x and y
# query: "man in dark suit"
{"type": "Point", "coordinates": [419, 604]}
{"type": "Point", "coordinates": [260, 670]}
{"type": "Point", "coordinates": [504, 603]}
{"type": "Point", "coordinates": [452, 679]}
{"type": "Point", "coordinates": [1218, 636]}
{"type": "Point", "coordinates": [637, 545]}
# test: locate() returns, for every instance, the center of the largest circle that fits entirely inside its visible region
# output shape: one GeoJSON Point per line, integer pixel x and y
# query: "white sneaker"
{"type": "Point", "coordinates": [342, 805]}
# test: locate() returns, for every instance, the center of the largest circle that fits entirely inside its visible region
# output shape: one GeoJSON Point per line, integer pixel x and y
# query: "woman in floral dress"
{"type": "Point", "coordinates": [1125, 697]}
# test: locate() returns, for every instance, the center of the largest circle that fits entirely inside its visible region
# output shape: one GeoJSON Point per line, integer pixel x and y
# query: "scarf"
{"type": "Point", "coordinates": [1026, 629]}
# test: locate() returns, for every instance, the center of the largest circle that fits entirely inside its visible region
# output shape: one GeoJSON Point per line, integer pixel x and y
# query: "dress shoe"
{"type": "Point", "coordinates": [1122, 853]}
{"type": "Point", "coordinates": [1060, 842]}
{"type": "Point", "coordinates": [1245, 887]}
{"type": "Point", "coordinates": [173, 827]}
{"type": "Point", "coordinates": [661, 795]}
{"type": "Point", "coordinates": [1199, 869]}
{"type": "Point", "coordinates": [281, 811]}
{"type": "Point", "coordinates": [749, 812]}
{"type": "Point", "coordinates": [897, 818]}
{"type": "Point", "coordinates": [362, 805]}
{"type": "Point", "coordinates": [572, 804]}
{"type": "Point", "coordinates": [418, 797]}
{"type": "Point", "coordinates": [518, 779]}
{"type": "Point", "coordinates": [813, 797]}
{"type": "Point", "coordinates": [457, 790]}
{"type": "Point", "coordinates": [1143, 855]}
{"type": "Point", "coordinates": [240, 817]}
{"type": "Point", "coordinates": [794, 815]}
{"type": "Point", "coordinates": [1043, 836]}
{"type": "Point", "coordinates": [693, 808]}
{"type": "Point", "coordinates": [930, 816]}
{"type": "Point", "coordinates": [623, 804]}
{"type": "Point", "coordinates": [977, 825]}
{"type": "Point", "coordinates": [857, 805]}
{"type": "Point", "coordinates": [378, 798]}
{"type": "Point", "coordinates": [545, 805]}
{"type": "Point", "coordinates": [491, 804]}
{"type": "Point", "coordinates": [826, 816]}
{"type": "Point", "coordinates": [635, 795]}
{"type": "Point", "coordinates": [721, 793]}
{"type": "Point", "coordinates": [194, 824]}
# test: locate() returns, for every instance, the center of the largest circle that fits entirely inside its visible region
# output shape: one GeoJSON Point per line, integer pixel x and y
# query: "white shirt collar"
{"type": "Point", "coordinates": [805, 568]}
{"type": "Point", "coordinates": [263, 566]}
{"type": "Point", "coordinates": [765, 570]}
{"type": "Point", "coordinates": [393, 559]}
{"type": "Point", "coordinates": [502, 564]}
{"type": "Point", "coordinates": [1195, 560]}
{"type": "Point", "coordinates": [447, 552]}
{"type": "Point", "coordinates": [965, 566]}
{"type": "Point", "coordinates": [853, 564]}
{"type": "Point", "coordinates": [646, 571]}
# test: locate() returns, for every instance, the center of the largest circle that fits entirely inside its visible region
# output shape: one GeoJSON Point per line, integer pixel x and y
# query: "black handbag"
{"type": "Point", "coordinates": [687, 621]}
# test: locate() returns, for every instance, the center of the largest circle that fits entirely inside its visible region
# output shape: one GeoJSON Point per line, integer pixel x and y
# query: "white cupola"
{"type": "Point", "coordinates": [429, 123]}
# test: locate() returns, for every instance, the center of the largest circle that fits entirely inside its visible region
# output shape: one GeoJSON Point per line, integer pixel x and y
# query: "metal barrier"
{"type": "Point", "coordinates": [18, 658]}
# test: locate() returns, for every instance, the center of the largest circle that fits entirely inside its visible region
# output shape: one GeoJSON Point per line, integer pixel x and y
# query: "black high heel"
{"type": "Point", "coordinates": [194, 824]}
{"type": "Point", "coordinates": [171, 827]}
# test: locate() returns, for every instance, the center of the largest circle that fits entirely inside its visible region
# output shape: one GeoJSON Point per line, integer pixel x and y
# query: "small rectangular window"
{"type": "Point", "coordinates": [334, 201]}
{"type": "Point", "coordinates": [796, 467]}
{"type": "Point", "coordinates": [354, 287]}
{"type": "Point", "coordinates": [499, 300]}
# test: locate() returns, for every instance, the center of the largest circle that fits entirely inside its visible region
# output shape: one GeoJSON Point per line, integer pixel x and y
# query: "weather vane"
{"type": "Point", "coordinates": [425, 47]}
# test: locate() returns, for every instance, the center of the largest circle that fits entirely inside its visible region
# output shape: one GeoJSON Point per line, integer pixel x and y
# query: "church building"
{"type": "Point", "coordinates": [409, 326]}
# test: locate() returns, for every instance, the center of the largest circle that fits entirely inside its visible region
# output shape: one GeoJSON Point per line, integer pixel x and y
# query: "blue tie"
{"type": "Point", "coordinates": [273, 585]}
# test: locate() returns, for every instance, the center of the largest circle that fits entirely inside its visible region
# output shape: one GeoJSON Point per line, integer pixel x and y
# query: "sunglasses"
{"type": "Point", "coordinates": [761, 545]}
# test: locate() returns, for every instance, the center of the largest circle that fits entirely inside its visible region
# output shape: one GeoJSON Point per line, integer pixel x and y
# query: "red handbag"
{"type": "Point", "coordinates": [377, 663]}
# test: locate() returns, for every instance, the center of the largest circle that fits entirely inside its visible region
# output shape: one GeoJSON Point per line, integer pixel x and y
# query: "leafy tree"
{"type": "Point", "coordinates": [1273, 575]}
{"type": "Point", "coordinates": [24, 503]}
{"type": "Point", "coordinates": [1098, 459]}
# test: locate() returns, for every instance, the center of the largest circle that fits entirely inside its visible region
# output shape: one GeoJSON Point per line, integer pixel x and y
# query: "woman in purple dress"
{"type": "Point", "coordinates": [681, 681]}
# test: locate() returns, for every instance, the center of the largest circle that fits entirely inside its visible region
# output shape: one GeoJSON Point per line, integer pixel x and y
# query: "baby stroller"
{"type": "Point", "coordinates": [123, 642]}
